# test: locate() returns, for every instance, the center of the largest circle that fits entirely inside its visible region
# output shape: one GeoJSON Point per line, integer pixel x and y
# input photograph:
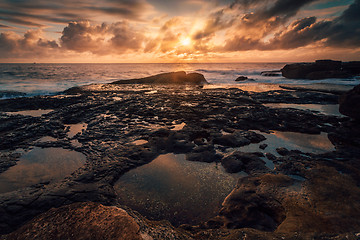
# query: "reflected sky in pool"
{"type": "Point", "coordinates": [40, 165]}
{"type": "Point", "coordinates": [311, 143]}
{"type": "Point", "coordinates": [175, 189]}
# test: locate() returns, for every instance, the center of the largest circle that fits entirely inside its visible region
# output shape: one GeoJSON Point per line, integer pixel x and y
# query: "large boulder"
{"type": "Point", "coordinates": [350, 103]}
{"type": "Point", "coordinates": [321, 69]}
{"type": "Point", "coordinates": [352, 67]}
{"type": "Point", "coordinates": [80, 221]}
{"type": "Point", "coordinates": [168, 78]}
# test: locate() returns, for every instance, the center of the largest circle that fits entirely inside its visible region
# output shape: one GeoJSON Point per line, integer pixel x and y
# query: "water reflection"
{"type": "Point", "coordinates": [46, 139]}
{"type": "Point", "coordinates": [178, 127]}
{"type": "Point", "coordinates": [250, 87]}
{"type": "Point", "coordinates": [139, 142]}
{"type": "Point", "coordinates": [175, 189]}
{"type": "Point", "coordinates": [75, 129]}
{"type": "Point", "coordinates": [330, 109]}
{"type": "Point", "coordinates": [32, 113]}
{"type": "Point", "coordinates": [311, 143]}
{"type": "Point", "coordinates": [40, 165]}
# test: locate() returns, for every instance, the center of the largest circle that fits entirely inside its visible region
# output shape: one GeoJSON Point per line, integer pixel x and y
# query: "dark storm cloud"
{"type": "Point", "coordinates": [215, 22]}
{"type": "Point", "coordinates": [38, 12]}
{"type": "Point", "coordinates": [101, 39]}
{"type": "Point", "coordinates": [270, 17]}
{"type": "Point", "coordinates": [343, 32]}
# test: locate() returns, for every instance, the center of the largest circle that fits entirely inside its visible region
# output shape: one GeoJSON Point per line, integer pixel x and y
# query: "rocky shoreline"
{"type": "Point", "coordinates": [322, 203]}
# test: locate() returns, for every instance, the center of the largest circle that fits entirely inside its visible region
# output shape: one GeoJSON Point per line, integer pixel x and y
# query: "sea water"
{"type": "Point", "coordinates": [45, 79]}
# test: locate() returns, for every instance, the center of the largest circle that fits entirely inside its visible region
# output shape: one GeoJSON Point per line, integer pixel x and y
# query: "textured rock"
{"type": "Point", "coordinates": [321, 69]}
{"type": "Point", "coordinates": [241, 78]}
{"type": "Point", "coordinates": [239, 161]}
{"type": "Point", "coordinates": [80, 221]}
{"type": "Point", "coordinates": [168, 78]}
{"type": "Point", "coordinates": [248, 206]}
{"type": "Point", "coordinates": [350, 103]}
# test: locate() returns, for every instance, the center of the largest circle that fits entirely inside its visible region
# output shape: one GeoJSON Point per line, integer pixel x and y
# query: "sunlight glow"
{"type": "Point", "coordinates": [185, 42]}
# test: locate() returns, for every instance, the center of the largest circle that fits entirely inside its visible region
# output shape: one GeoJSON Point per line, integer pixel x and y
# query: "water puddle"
{"type": "Point", "coordinates": [308, 143]}
{"type": "Point", "coordinates": [250, 87]}
{"type": "Point", "coordinates": [330, 109]}
{"type": "Point", "coordinates": [139, 142]}
{"type": "Point", "coordinates": [75, 143]}
{"type": "Point", "coordinates": [46, 139]}
{"type": "Point", "coordinates": [75, 129]}
{"type": "Point", "coordinates": [178, 127]}
{"type": "Point", "coordinates": [175, 189]}
{"type": "Point", "coordinates": [268, 163]}
{"type": "Point", "coordinates": [40, 165]}
{"type": "Point", "coordinates": [32, 113]}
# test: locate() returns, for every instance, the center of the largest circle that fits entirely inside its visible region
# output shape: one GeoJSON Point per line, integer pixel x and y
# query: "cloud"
{"type": "Point", "coordinates": [341, 32]}
{"type": "Point", "coordinates": [38, 13]}
{"type": "Point", "coordinates": [32, 44]}
{"type": "Point", "coordinates": [101, 39]}
{"type": "Point", "coordinates": [215, 22]}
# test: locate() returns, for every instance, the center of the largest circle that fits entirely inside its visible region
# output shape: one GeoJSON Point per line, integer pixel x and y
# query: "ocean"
{"type": "Point", "coordinates": [49, 79]}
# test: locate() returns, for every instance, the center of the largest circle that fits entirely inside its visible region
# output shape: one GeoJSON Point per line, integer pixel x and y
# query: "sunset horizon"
{"type": "Point", "coordinates": [191, 31]}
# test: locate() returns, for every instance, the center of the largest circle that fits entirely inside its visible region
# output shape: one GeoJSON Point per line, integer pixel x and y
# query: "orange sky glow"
{"type": "Point", "coordinates": [151, 31]}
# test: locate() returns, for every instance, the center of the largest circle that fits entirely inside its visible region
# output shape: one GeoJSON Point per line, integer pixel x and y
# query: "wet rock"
{"type": "Point", "coordinates": [168, 78]}
{"type": "Point", "coordinates": [240, 161]}
{"type": "Point", "coordinates": [282, 151]}
{"type": "Point", "coordinates": [80, 221]}
{"type": "Point", "coordinates": [238, 139]}
{"type": "Point", "coordinates": [321, 69]}
{"type": "Point", "coordinates": [327, 74]}
{"type": "Point", "coordinates": [232, 140]}
{"type": "Point", "coordinates": [349, 103]}
{"type": "Point", "coordinates": [263, 146]}
{"type": "Point", "coordinates": [270, 156]}
{"type": "Point", "coordinates": [352, 67]}
{"type": "Point", "coordinates": [241, 78]}
{"type": "Point", "coordinates": [248, 206]}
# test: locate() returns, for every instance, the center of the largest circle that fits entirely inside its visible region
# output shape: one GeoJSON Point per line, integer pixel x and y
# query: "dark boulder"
{"type": "Point", "coordinates": [241, 78]}
{"type": "Point", "coordinates": [349, 103]}
{"type": "Point", "coordinates": [80, 221]}
{"type": "Point", "coordinates": [327, 74]}
{"type": "Point", "coordinates": [240, 161]}
{"type": "Point", "coordinates": [249, 206]}
{"type": "Point", "coordinates": [352, 67]}
{"type": "Point", "coordinates": [168, 78]}
{"type": "Point", "coordinates": [320, 69]}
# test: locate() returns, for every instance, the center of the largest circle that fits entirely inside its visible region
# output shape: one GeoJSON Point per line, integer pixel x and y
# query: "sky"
{"type": "Point", "coordinates": [151, 31]}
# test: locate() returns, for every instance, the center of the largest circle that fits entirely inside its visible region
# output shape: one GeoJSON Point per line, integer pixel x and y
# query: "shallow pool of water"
{"type": "Point", "coordinates": [75, 129]}
{"type": "Point", "coordinates": [175, 189]}
{"type": "Point", "coordinates": [308, 143]}
{"type": "Point", "coordinates": [40, 165]}
{"type": "Point", "coordinates": [330, 109]}
{"type": "Point", "coordinates": [139, 142]}
{"type": "Point", "coordinates": [32, 113]}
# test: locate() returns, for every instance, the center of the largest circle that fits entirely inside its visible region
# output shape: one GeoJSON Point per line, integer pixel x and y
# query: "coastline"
{"type": "Point", "coordinates": [217, 122]}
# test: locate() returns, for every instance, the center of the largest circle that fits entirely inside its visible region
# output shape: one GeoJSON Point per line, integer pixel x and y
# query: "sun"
{"type": "Point", "coordinates": [185, 42]}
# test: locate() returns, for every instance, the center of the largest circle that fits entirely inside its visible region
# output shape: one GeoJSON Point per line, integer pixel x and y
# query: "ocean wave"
{"type": "Point", "coordinates": [231, 72]}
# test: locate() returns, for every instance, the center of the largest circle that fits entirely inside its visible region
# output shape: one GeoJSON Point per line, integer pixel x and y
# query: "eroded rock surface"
{"type": "Point", "coordinates": [304, 192]}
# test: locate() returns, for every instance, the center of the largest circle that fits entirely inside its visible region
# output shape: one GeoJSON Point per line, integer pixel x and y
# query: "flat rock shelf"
{"type": "Point", "coordinates": [211, 163]}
